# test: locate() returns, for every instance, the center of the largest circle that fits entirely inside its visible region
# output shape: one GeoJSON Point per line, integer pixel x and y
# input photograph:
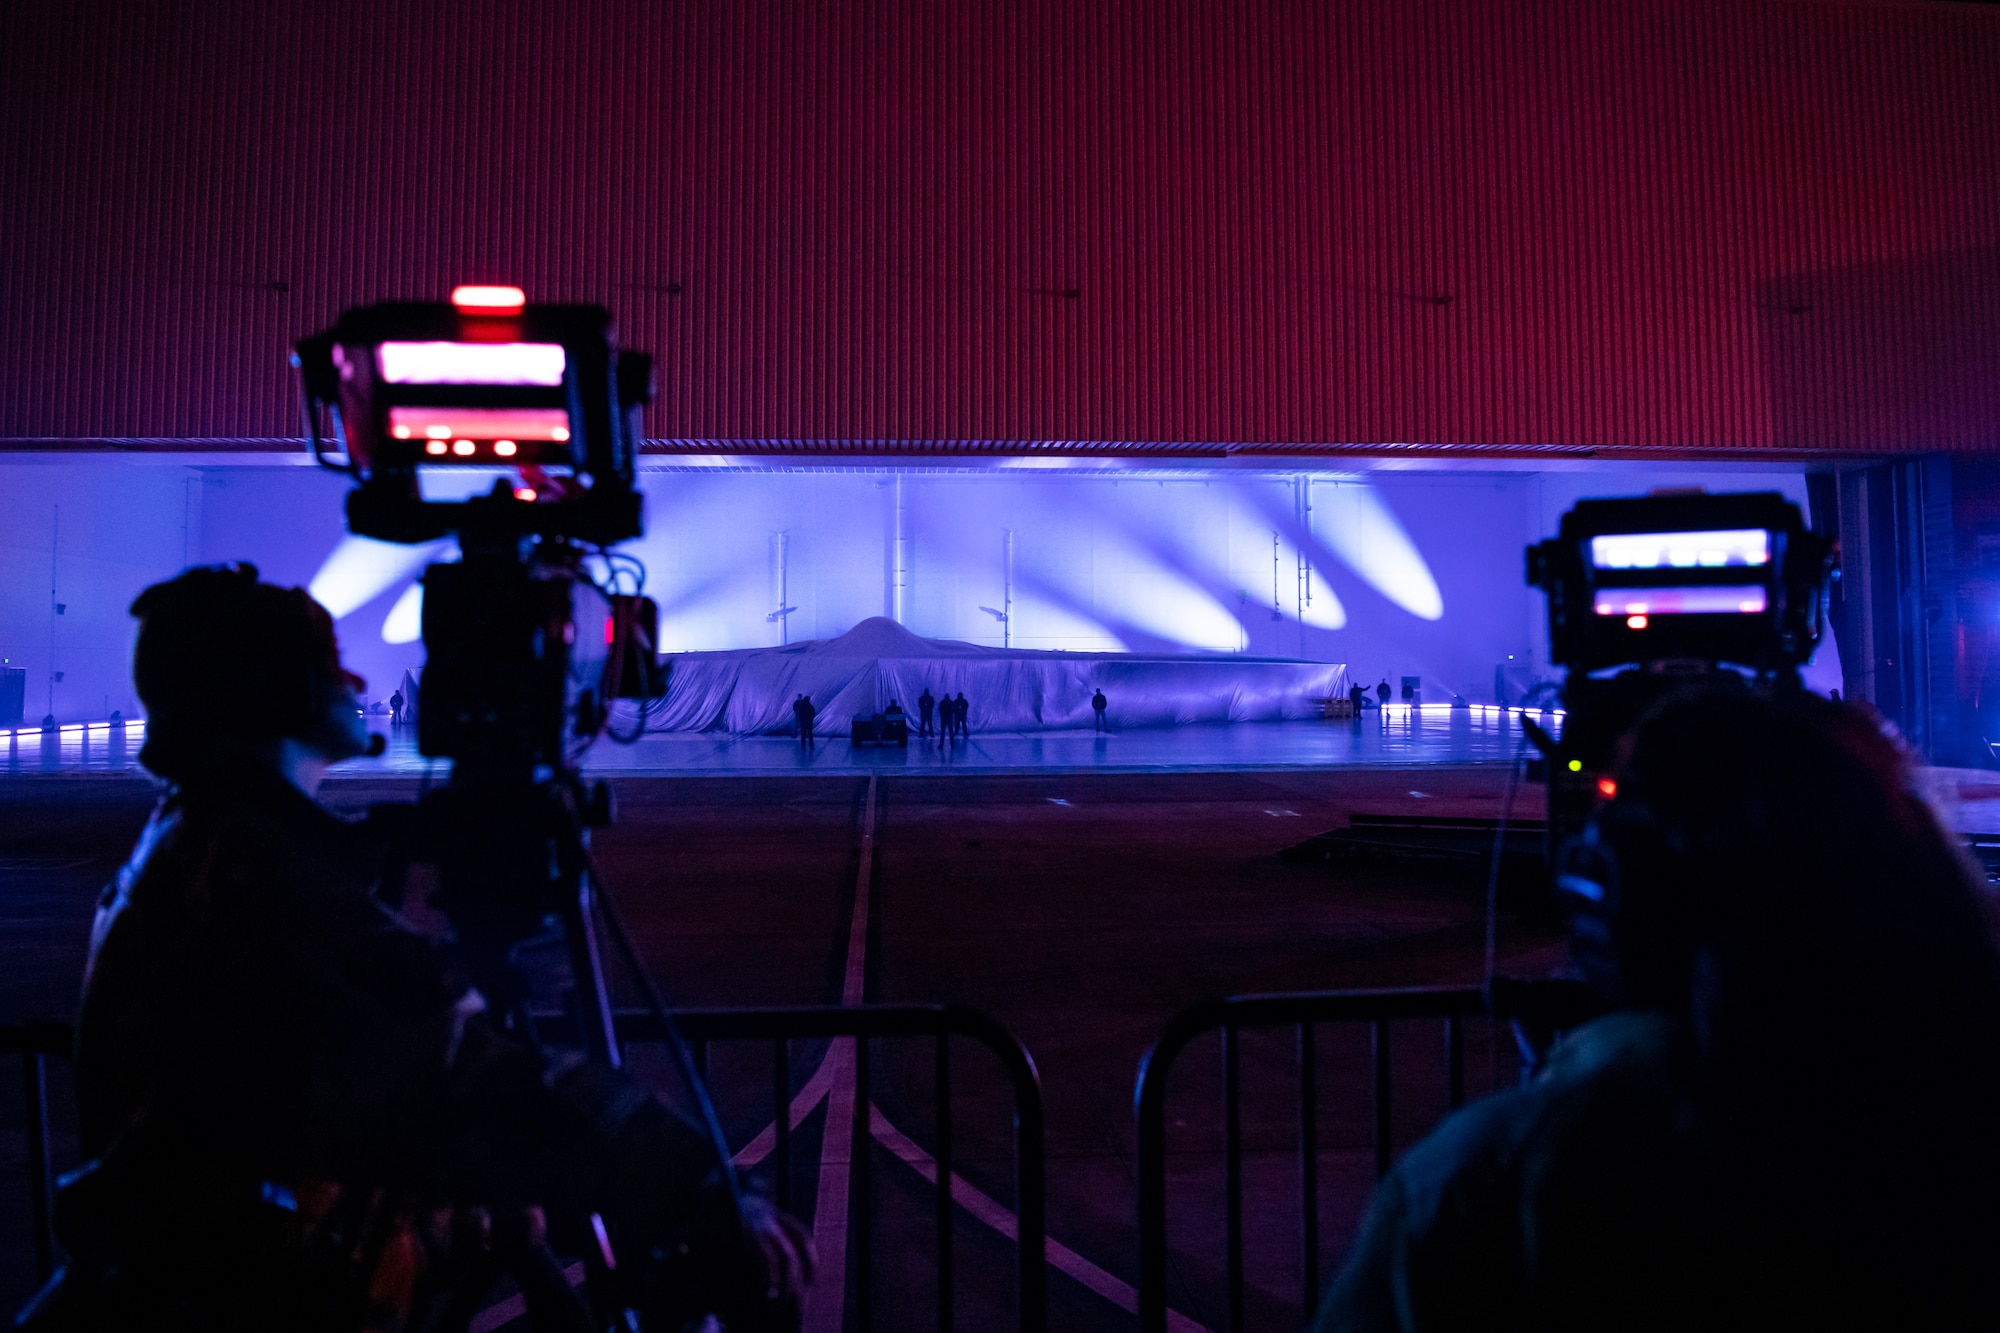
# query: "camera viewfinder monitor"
{"type": "Point", "coordinates": [487, 380]}
{"type": "Point", "coordinates": [1709, 579]}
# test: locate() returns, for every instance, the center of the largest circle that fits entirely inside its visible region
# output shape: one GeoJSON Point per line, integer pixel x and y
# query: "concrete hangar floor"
{"type": "Point", "coordinates": [1080, 889]}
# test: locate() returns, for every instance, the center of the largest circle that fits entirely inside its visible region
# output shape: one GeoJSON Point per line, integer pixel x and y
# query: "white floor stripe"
{"type": "Point", "coordinates": [985, 1208]}
{"type": "Point", "coordinates": [810, 1096]}
{"type": "Point", "coordinates": [515, 1306]}
{"type": "Point", "coordinates": [826, 1301]}
{"type": "Point", "coordinates": [854, 981]}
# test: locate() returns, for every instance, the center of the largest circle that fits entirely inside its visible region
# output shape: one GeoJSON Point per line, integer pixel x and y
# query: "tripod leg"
{"type": "Point", "coordinates": [586, 961]}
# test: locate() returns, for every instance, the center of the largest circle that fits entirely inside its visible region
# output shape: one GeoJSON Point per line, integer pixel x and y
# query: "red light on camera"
{"type": "Point", "coordinates": [1607, 788]}
{"type": "Point", "coordinates": [489, 300]}
{"type": "Point", "coordinates": [524, 493]}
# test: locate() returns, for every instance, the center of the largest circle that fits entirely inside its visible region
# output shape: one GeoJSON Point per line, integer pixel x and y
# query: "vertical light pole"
{"type": "Point", "coordinates": [899, 591]}
{"type": "Point", "coordinates": [55, 607]}
{"type": "Point", "coordinates": [1302, 510]}
{"type": "Point", "coordinates": [1277, 612]}
{"type": "Point", "coordinates": [1004, 613]}
{"type": "Point", "coordinates": [780, 553]}
{"type": "Point", "coordinates": [1007, 589]}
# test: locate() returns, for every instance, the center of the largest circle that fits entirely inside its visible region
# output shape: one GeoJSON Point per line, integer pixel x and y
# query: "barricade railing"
{"type": "Point", "coordinates": [36, 1044]}
{"type": "Point", "coordinates": [1544, 1006]}
{"type": "Point", "coordinates": [779, 1027]}
{"type": "Point", "coordinates": [940, 1022]}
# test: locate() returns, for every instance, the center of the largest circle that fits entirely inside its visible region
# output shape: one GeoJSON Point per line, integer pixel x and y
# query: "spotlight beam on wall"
{"type": "Point", "coordinates": [405, 621]}
{"type": "Point", "coordinates": [1358, 527]}
{"type": "Point", "coordinates": [360, 569]}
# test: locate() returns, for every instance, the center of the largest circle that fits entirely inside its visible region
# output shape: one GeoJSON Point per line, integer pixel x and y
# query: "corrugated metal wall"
{"type": "Point", "coordinates": [1649, 224]}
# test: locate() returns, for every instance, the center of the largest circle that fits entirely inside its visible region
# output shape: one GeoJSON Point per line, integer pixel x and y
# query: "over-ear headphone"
{"type": "Point", "coordinates": [1638, 886]}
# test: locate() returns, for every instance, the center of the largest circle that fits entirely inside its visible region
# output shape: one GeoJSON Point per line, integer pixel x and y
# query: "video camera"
{"type": "Point", "coordinates": [1654, 594]}
{"type": "Point", "coordinates": [525, 651]}
{"type": "Point", "coordinates": [530, 635]}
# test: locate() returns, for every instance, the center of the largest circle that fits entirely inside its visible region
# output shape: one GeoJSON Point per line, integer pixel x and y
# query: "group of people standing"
{"type": "Point", "coordinates": [949, 712]}
{"type": "Point", "coordinates": [1357, 696]}
{"type": "Point", "coordinates": [943, 718]}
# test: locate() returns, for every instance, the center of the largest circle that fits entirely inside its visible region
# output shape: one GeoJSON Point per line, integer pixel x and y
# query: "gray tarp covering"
{"type": "Point", "coordinates": [751, 690]}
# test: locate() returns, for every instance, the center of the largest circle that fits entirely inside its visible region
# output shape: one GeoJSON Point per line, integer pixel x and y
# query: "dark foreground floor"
{"type": "Point", "coordinates": [1081, 910]}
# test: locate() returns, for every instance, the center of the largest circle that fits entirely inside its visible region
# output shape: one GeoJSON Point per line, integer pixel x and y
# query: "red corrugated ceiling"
{"type": "Point", "coordinates": [1700, 225]}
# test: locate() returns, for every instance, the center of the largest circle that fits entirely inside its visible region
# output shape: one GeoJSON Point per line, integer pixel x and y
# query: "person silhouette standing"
{"type": "Point", "coordinates": [1098, 703]}
{"type": "Point", "coordinates": [959, 709]}
{"type": "Point", "coordinates": [806, 715]}
{"type": "Point", "coordinates": [396, 709]}
{"type": "Point", "coordinates": [1382, 692]}
{"type": "Point", "coordinates": [925, 705]}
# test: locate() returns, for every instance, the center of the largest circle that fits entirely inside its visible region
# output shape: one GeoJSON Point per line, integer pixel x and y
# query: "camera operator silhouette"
{"type": "Point", "coordinates": [296, 1112]}
{"type": "Point", "coordinates": [1786, 1121]}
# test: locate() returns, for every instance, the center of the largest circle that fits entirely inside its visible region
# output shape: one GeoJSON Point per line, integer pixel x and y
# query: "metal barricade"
{"type": "Point", "coordinates": [1549, 1006]}
{"type": "Point", "coordinates": [940, 1022]}
{"type": "Point", "coordinates": [36, 1043]}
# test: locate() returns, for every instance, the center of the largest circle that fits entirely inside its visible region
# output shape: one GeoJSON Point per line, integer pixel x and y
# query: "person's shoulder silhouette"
{"type": "Point", "coordinates": [1768, 1131]}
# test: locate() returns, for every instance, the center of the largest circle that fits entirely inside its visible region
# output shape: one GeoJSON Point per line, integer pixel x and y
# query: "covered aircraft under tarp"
{"type": "Point", "coordinates": [751, 690]}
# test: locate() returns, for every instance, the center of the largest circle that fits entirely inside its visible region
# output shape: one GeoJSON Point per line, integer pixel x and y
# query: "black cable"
{"type": "Point", "coordinates": [617, 563]}
{"type": "Point", "coordinates": [1539, 694]}
{"type": "Point", "coordinates": [1493, 866]}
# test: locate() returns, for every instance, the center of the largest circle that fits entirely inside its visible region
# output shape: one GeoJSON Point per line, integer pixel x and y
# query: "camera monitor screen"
{"type": "Point", "coordinates": [1683, 578]}
{"type": "Point", "coordinates": [539, 395]}
{"type": "Point", "coordinates": [481, 434]}
{"type": "Point", "coordinates": [1639, 574]}
{"type": "Point", "coordinates": [1636, 604]}
{"type": "Point", "coordinates": [1681, 550]}
{"type": "Point", "coordinates": [471, 363]}
{"type": "Point", "coordinates": [457, 428]}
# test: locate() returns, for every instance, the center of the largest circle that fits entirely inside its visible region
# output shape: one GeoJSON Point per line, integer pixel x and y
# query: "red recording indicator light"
{"type": "Point", "coordinates": [1635, 622]}
{"type": "Point", "coordinates": [489, 300]}
{"type": "Point", "coordinates": [1608, 788]}
{"type": "Point", "coordinates": [610, 630]}
{"type": "Point", "coordinates": [524, 493]}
